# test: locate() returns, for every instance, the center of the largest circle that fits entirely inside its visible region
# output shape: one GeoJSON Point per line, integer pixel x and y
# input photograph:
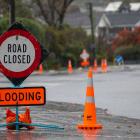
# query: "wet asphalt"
{"type": "Point", "coordinates": [116, 92]}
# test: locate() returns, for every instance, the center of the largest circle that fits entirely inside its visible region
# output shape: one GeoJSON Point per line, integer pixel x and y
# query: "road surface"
{"type": "Point", "coordinates": [117, 91]}
{"type": "Point", "coordinates": [116, 94]}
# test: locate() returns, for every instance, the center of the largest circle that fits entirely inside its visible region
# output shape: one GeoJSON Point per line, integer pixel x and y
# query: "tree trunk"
{"type": "Point", "coordinates": [11, 11]}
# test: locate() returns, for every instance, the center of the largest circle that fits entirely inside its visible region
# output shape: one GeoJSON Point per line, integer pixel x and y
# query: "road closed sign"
{"type": "Point", "coordinates": [20, 53]}
{"type": "Point", "coordinates": [22, 96]}
{"type": "Point", "coordinates": [84, 55]}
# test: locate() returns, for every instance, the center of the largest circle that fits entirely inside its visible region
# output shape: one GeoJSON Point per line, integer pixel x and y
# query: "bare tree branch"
{"type": "Point", "coordinates": [53, 11]}
{"type": "Point", "coordinates": [44, 12]}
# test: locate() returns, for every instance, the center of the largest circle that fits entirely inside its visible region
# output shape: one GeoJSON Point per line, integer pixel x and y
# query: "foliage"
{"type": "Point", "coordinates": [36, 28]}
{"type": "Point", "coordinates": [22, 9]}
{"type": "Point", "coordinates": [127, 43]}
{"type": "Point", "coordinates": [103, 50]}
{"type": "Point", "coordinates": [65, 44]}
{"type": "Point", "coordinates": [130, 52]}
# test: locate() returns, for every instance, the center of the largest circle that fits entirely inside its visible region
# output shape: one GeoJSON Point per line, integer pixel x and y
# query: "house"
{"type": "Point", "coordinates": [115, 17]}
{"type": "Point", "coordinates": [135, 6]}
{"type": "Point", "coordinates": [120, 18]}
{"type": "Point", "coordinates": [113, 6]}
{"type": "Point", "coordinates": [81, 19]}
{"type": "Point", "coordinates": [111, 23]}
{"type": "Point", "coordinates": [118, 5]}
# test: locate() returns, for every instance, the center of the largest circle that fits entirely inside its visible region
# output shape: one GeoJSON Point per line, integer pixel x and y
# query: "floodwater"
{"type": "Point", "coordinates": [117, 91]}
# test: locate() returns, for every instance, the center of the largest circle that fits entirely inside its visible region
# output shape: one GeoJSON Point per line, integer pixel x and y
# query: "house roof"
{"type": "Point", "coordinates": [118, 19]}
{"type": "Point", "coordinates": [135, 6]}
{"type": "Point", "coordinates": [113, 6]}
{"type": "Point", "coordinates": [78, 19]}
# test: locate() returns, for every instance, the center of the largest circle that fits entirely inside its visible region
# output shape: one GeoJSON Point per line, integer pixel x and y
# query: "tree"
{"type": "Point", "coordinates": [126, 38]}
{"type": "Point", "coordinates": [127, 44]}
{"type": "Point", "coordinates": [22, 9]}
{"type": "Point", "coordinates": [64, 45]}
{"type": "Point", "coordinates": [11, 11]}
{"type": "Point", "coordinates": [3, 7]}
{"type": "Point", "coordinates": [53, 11]}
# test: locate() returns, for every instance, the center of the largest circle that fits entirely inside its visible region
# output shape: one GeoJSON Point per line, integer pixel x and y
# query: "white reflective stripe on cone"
{"type": "Point", "coordinates": [90, 99]}
{"type": "Point", "coordinates": [90, 82]}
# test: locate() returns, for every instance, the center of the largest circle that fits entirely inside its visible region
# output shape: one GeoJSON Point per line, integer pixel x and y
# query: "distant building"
{"type": "Point", "coordinates": [113, 6]}
{"type": "Point", "coordinates": [115, 17]}
{"type": "Point", "coordinates": [115, 20]}
{"type": "Point", "coordinates": [118, 5]}
{"type": "Point", "coordinates": [81, 19]}
{"type": "Point", "coordinates": [111, 23]}
{"type": "Point", "coordinates": [78, 19]}
{"type": "Point", "coordinates": [135, 6]}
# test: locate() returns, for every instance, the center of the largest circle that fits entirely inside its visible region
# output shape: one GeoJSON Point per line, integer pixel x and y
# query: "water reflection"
{"type": "Point", "coordinates": [23, 135]}
{"type": "Point", "coordinates": [90, 134]}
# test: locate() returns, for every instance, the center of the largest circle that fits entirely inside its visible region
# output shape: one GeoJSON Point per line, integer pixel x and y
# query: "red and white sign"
{"type": "Point", "coordinates": [84, 55]}
{"type": "Point", "coordinates": [20, 53]}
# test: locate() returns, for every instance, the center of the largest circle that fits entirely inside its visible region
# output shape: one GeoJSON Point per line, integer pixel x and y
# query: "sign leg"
{"type": "Point", "coordinates": [17, 121]}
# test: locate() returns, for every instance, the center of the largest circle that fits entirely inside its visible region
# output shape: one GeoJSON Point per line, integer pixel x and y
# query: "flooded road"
{"type": "Point", "coordinates": [117, 91]}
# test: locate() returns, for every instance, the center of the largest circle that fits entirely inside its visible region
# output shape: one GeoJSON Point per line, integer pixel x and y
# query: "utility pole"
{"type": "Point", "coordinates": [11, 11]}
{"type": "Point", "coordinates": [91, 20]}
{"type": "Point", "coordinates": [92, 45]}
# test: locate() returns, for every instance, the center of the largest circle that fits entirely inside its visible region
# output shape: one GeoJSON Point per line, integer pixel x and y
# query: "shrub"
{"type": "Point", "coordinates": [36, 28]}
{"type": "Point", "coordinates": [127, 44]}
{"type": "Point", "coordinates": [65, 44]}
{"type": "Point", "coordinates": [129, 53]}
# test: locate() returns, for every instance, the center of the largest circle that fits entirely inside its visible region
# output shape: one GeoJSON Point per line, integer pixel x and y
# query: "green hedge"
{"type": "Point", "coordinates": [129, 52]}
{"type": "Point", "coordinates": [65, 44]}
{"type": "Point", "coordinates": [36, 28]}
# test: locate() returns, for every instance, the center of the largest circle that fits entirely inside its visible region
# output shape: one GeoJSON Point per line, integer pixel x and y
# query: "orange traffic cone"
{"type": "Point", "coordinates": [95, 66]}
{"type": "Point", "coordinates": [70, 69]}
{"type": "Point", "coordinates": [104, 65]}
{"type": "Point", "coordinates": [89, 118]}
{"type": "Point", "coordinates": [40, 69]}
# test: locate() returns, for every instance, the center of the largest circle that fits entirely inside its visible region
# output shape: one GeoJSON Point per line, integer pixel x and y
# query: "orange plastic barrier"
{"type": "Point", "coordinates": [70, 69]}
{"type": "Point", "coordinates": [24, 118]}
{"type": "Point", "coordinates": [40, 69]}
{"type": "Point", "coordinates": [104, 65]}
{"type": "Point", "coordinates": [89, 117]}
{"type": "Point", "coordinates": [85, 63]}
{"type": "Point", "coordinates": [95, 66]}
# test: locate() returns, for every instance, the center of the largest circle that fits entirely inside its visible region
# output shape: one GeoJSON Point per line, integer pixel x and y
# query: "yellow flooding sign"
{"type": "Point", "coordinates": [27, 96]}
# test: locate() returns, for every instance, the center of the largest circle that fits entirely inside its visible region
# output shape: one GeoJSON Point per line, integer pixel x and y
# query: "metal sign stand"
{"type": "Point", "coordinates": [17, 29]}
{"type": "Point", "coordinates": [17, 124]}
{"type": "Point", "coordinates": [17, 121]}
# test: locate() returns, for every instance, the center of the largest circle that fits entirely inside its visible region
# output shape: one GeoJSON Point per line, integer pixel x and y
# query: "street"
{"type": "Point", "coordinates": [116, 94]}
{"type": "Point", "coordinates": [70, 70]}
{"type": "Point", "coordinates": [117, 91]}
